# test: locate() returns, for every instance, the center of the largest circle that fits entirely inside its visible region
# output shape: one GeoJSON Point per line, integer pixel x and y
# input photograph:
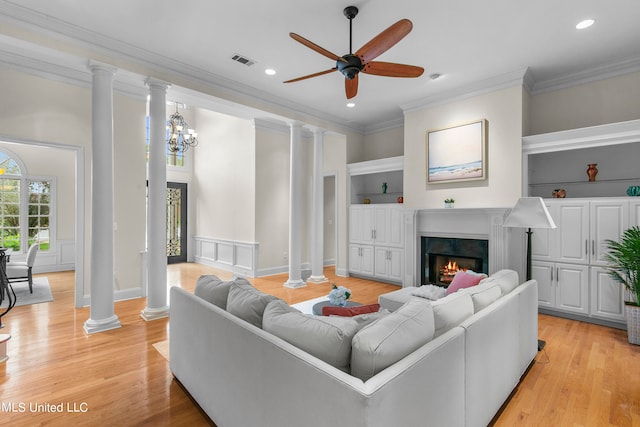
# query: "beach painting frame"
{"type": "Point", "coordinates": [457, 153]}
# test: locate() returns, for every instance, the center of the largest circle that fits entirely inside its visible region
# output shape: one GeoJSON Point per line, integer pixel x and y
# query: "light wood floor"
{"type": "Point", "coordinates": [588, 376]}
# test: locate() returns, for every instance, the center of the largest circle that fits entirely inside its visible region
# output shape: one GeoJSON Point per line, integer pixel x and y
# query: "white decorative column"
{"type": "Point", "coordinates": [102, 316]}
{"type": "Point", "coordinates": [295, 209]}
{"type": "Point", "coordinates": [157, 307]}
{"type": "Point", "coordinates": [317, 210]}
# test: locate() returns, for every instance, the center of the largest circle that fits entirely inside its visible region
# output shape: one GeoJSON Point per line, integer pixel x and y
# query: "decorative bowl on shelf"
{"type": "Point", "coordinates": [559, 193]}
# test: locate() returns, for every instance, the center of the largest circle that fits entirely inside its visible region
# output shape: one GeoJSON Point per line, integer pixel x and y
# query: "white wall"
{"type": "Point", "coordinates": [604, 101]}
{"type": "Point", "coordinates": [503, 111]}
{"type": "Point", "coordinates": [335, 162]}
{"type": "Point", "coordinates": [272, 197]}
{"type": "Point", "coordinates": [45, 111]}
{"type": "Point", "coordinates": [130, 187]}
{"type": "Point", "coordinates": [383, 144]}
{"type": "Point", "coordinates": [224, 177]}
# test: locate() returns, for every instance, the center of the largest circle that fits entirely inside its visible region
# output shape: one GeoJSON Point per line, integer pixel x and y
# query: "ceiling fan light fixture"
{"type": "Point", "coordinates": [586, 23]}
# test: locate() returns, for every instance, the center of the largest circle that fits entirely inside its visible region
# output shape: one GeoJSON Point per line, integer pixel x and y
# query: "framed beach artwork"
{"type": "Point", "coordinates": [457, 153]}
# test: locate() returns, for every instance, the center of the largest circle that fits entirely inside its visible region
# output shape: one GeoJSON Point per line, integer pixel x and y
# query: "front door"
{"type": "Point", "coordinates": [176, 222]}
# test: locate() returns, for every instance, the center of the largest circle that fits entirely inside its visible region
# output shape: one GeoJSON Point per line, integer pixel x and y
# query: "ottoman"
{"type": "Point", "coordinates": [396, 299]}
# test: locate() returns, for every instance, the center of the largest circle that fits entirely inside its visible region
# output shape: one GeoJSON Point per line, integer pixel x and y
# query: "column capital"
{"type": "Point", "coordinates": [95, 66]}
{"type": "Point", "coordinates": [318, 131]}
{"type": "Point", "coordinates": [295, 124]}
{"type": "Point", "coordinates": [152, 82]}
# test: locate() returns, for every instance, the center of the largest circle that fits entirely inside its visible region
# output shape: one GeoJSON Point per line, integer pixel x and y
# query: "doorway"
{"type": "Point", "coordinates": [176, 222]}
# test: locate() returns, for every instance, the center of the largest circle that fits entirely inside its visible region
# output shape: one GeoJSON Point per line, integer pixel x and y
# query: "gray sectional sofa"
{"type": "Point", "coordinates": [451, 362]}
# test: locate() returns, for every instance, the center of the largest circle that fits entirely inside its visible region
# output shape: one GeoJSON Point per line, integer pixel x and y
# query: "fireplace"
{"type": "Point", "coordinates": [442, 257]}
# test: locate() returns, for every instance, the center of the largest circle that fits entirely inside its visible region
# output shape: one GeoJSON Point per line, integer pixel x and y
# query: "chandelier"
{"type": "Point", "coordinates": [179, 136]}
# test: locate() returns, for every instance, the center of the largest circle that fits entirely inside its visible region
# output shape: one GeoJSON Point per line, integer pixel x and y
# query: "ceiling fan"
{"type": "Point", "coordinates": [351, 64]}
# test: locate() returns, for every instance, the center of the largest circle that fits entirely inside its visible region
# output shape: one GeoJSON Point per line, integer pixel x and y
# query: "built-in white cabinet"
{"type": "Point", "coordinates": [388, 263]}
{"type": "Point", "coordinates": [568, 261]}
{"type": "Point", "coordinates": [376, 241]}
{"type": "Point", "coordinates": [361, 259]}
{"type": "Point", "coordinates": [562, 286]}
{"type": "Point", "coordinates": [607, 296]}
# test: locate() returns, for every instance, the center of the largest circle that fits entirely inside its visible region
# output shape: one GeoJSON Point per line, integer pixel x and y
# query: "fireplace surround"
{"type": "Point", "coordinates": [441, 257]}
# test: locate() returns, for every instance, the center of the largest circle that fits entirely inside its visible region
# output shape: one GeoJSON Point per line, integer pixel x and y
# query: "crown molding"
{"type": "Point", "coordinates": [173, 70]}
{"type": "Point", "coordinates": [615, 69]}
{"type": "Point", "coordinates": [390, 124]}
{"type": "Point", "coordinates": [480, 87]}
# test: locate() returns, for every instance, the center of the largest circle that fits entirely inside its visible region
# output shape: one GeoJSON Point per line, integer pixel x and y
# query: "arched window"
{"type": "Point", "coordinates": [25, 206]}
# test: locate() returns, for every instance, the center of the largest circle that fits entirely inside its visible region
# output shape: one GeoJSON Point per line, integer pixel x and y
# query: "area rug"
{"type": "Point", "coordinates": [41, 292]}
{"type": "Point", "coordinates": [163, 348]}
{"type": "Point", "coordinates": [307, 306]}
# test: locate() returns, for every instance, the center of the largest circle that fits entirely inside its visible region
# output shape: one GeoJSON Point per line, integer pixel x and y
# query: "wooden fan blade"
{"type": "Point", "coordinates": [351, 87]}
{"type": "Point", "coordinates": [384, 41]}
{"type": "Point", "coordinates": [391, 69]}
{"type": "Point", "coordinates": [311, 75]}
{"type": "Point", "coordinates": [313, 46]}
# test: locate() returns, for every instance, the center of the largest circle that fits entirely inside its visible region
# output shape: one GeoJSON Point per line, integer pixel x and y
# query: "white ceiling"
{"type": "Point", "coordinates": [471, 43]}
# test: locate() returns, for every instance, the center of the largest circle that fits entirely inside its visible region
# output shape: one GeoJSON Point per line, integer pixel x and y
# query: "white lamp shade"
{"type": "Point", "coordinates": [529, 212]}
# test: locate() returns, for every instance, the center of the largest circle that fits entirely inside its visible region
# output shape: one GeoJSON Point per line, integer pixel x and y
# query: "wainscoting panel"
{"type": "Point", "coordinates": [237, 257]}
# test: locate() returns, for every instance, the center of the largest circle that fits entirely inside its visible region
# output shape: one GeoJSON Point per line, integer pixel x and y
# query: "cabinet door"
{"type": "Point", "coordinates": [381, 262]}
{"type": "Point", "coordinates": [608, 221]}
{"type": "Point", "coordinates": [634, 213]}
{"type": "Point", "coordinates": [361, 224]}
{"type": "Point", "coordinates": [361, 259]}
{"type": "Point", "coordinates": [607, 296]}
{"type": "Point", "coordinates": [366, 261]}
{"type": "Point", "coordinates": [573, 232]}
{"type": "Point", "coordinates": [388, 263]}
{"type": "Point", "coordinates": [542, 272]}
{"type": "Point", "coordinates": [572, 288]}
{"type": "Point", "coordinates": [395, 269]}
{"type": "Point", "coordinates": [380, 226]}
{"type": "Point", "coordinates": [395, 227]}
{"type": "Point", "coordinates": [543, 240]}
{"type": "Point", "coordinates": [355, 259]}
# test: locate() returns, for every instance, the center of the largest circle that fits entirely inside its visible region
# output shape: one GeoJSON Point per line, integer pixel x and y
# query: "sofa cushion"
{"type": "Point", "coordinates": [396, 299]}
{"type": "Point", "coordinates": [391, 338]}
{"type": "Point", "coordinates": [210, 288]}
{"type": "Point", "coordinates": [247, 303]}
{"type": "Point", "coordinates": [329, 310]}
{"type": "Point", "coordinates": [507, 280]}
{"type": "Point", "coordinates": [450, 311]}
{"type": "Point", "coordinates": [464, 279]}
{"type": "Point", "coordinates": [327, 338]}
{"type": "Point", "coordinates": [364, 319]}
{"type": "Point", "coordinates": [484, 294]}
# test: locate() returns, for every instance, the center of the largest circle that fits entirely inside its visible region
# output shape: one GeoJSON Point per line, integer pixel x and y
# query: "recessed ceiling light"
{"type": "Point", "coordinates": [435, 76]}
{"type": "Point", "coordinates": [351, 105]}
{"type": "Point", "coordinates": [270, 72]}
{"type": "Point", "coordinates": [584, 24]}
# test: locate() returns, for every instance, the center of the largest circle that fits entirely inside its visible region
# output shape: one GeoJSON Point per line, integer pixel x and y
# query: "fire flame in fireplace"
{"type": "Point", "coordinates": [450, 269]}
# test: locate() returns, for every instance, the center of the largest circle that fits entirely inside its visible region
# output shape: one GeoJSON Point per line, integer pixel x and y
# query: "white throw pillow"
{"type": "Point", "coordinates": [450, 311]}
{"type": "Point", "coordinates": [247, 302]}
{"type": "Point", "coordinates": [391, 338]}
{"type": "Point", "coordinates": [326, 337]}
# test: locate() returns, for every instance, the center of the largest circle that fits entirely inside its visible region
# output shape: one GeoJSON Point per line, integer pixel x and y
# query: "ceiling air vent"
{"type": "Point", "coordinates": [243, 59]}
